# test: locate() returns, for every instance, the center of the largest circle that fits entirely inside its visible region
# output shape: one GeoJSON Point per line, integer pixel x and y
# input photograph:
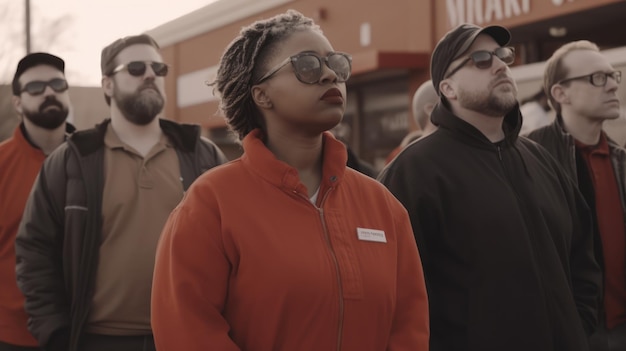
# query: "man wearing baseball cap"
{"type": "Point", "coordinates": [504, 236]}
{"type": "Point", "coordinates": [41, 98]}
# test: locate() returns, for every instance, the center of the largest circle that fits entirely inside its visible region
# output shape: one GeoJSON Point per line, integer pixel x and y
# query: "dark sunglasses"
{"type": "Point", "coordinates": [138, 68]}
{"type": "Point", "coordinates": [597, 79]}
{"type": "Point", "coordinates": [37, 87]}
{"type": "Point", "coordinates": [308, 67]}
{"type": "Point", "coordinates": [483, 59]}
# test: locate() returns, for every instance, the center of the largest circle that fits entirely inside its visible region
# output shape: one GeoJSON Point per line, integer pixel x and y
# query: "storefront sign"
{"type": "Point", "coordinates": [560, 2]}
{"type": "Point", "coordinates": [485, 11]}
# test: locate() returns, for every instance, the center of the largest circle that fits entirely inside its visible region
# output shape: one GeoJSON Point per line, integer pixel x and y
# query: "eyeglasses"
{"type": "Point", "coordinates": [597, 79]}
{"type": "Point", "coordinates": [138, 68]}
{"type": "Point", "coordinates": [483, 59]}
{"type": "Point", "coordinates": [308, 67]}
{"type": "Point", "coordinates": [37, 87]}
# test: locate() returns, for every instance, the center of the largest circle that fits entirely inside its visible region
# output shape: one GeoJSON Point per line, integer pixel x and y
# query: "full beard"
{"type": "Point", "coordinates": [46, 117]}
{"type": "Point", "coordinates": [499, 101]}
{"type": "Point", "coordinates": [142, 106]}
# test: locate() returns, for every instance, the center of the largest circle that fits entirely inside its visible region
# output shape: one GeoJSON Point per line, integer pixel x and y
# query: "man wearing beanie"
{"type": "Point", "coordinates": [86, 244]}
{"type": "Point", "coordinates": [504, 236]}
{"type": "Point", "coordinates": [41, 98]}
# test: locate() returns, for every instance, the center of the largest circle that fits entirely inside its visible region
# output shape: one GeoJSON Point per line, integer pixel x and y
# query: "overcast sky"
{"type": "Point", "coordinates": [86, 26]}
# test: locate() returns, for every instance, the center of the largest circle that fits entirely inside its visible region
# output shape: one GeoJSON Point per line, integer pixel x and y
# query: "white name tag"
{"type": "Point", "coordinates": [366, 234]}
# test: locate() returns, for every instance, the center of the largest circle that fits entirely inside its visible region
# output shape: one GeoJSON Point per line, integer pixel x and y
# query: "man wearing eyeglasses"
{"type": "Point", "coordinates": [41, 98]}
{"type": "Point", "coordinates": [504, 235]}
{"type": "Point", "coordinates": [86, 244]}
{"type": "Point", "coordinates": [582, 87]}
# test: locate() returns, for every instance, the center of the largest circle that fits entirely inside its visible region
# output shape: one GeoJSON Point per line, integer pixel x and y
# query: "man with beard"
{"type": "Point", "coordinates": [582, 86]}
{"type": "Point", "coordinates": [40, 96]}
{"type": "Point", "coordinates": [86, 244]}
{"type": "Point", "coordinates": [504, 236]}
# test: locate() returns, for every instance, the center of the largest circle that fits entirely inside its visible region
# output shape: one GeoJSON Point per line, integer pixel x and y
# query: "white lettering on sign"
{"type": "Point", "coordinates": [481, 11]}
{"type": "Point", "coordinates": [560, 2]}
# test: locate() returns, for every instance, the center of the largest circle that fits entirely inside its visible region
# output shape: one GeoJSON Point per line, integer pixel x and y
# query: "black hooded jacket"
{"type": "Point", "coordinates": [504, 236]}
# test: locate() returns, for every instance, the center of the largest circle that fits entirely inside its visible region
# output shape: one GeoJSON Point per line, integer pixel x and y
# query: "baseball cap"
{"type": "Point", "coordinates": [456, 42]}
{"type": "Point", "coordinates": [109, 53]}
{"type": "Point", "coordinates": [32, 60]}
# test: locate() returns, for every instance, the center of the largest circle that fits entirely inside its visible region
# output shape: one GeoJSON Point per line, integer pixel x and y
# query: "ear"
{"type": "Point", "coordinates": [559, 94]}
{"type": "Point", "coordinates": [428, 108]}
{"type": "Point", "coordinates": [107, 85]}
{"type": "Point", "coordinates": [447, 90]}
{"type": "Point", "coordinates": [260, 97]}
{"type": "Point", "coordinates": [17, 104]}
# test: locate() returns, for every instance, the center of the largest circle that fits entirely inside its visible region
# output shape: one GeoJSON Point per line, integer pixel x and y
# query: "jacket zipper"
{"type": "Point", "coordinates": [320, 210]}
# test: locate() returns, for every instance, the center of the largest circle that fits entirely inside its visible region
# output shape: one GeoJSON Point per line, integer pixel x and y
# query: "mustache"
{"type": "Point", "coordinates": [502, 76]}
{"type": "Point", "coordinates": [50, 101]}
{"type": "Point", "coordinates": [149, 84]}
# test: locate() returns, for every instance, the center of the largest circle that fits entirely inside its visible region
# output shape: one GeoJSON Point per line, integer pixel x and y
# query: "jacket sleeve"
{"type": "Point", "coordinates": [410, 329]}
{"type": "Point", "coordinates": [585, 271]}
{"type": "Point", "coordinates": [38, 250]}
{"type": "Point", "coordinates": [191, 278]}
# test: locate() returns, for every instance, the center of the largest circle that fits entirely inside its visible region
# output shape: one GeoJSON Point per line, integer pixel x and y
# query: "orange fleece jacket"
{"type": "Point", "coordinates": [246, 262]}
{"type": "Point", "coordinates": [19, 165]}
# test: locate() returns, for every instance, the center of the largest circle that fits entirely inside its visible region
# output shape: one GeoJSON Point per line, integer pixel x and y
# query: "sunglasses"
{"type": "Point", "coordinates": [309, 69]}
{"type": "Point", "coordinates": [37, 87]}
{"type": "Point", "coordinates": [483, 59]}
{"type": "Point", "coordinates": [138, 68]}
{"type": "Point", "coordinates": [597, 79]}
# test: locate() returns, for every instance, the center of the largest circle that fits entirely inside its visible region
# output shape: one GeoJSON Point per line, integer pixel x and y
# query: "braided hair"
{"type": "Point", "coordinates": [244, 62]}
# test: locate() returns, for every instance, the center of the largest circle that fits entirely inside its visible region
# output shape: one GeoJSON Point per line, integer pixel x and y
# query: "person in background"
{"type": "Point", "coordinates": [535, 112]}
{"type": "Point", "coordinates": [342, 133]}
{"type": "Point", "coordinates": [504, 235]}
{"type": "Point", "coordinates": [286, 248]}
{"type": "Point", "coordinates": [86, 243]}
{"type": "Point", "coordinates": [41, 98]}
{"type": "Point", "coordinates": [424, 101]}
{"type": "Point", "coordinates": [583, 90]}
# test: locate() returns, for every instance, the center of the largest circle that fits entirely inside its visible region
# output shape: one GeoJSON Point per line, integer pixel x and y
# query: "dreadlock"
{"type": "Point", "coordinates": [243, 63]}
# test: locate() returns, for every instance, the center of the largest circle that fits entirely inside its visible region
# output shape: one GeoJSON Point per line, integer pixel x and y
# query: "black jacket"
{"type": "Point", "coordinates": [504, 236]}
{"type": "Point", "coordinates": [562, 147]}
{"type": "Point", "coordinates": [58, 240]}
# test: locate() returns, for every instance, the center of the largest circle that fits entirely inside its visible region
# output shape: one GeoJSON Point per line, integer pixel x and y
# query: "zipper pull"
{"type": "Point", "coordinates": [499, 153]}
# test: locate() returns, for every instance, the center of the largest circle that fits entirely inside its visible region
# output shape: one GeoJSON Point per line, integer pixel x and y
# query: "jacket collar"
{"type": "Point", "coordinates": [183, 136]}
{"type": "Point", "coordinates": [21, 135]}
{"type": "Point", "coordinates": [443, 117]}
{"type": "Point", "coordinates": [262, 161]}
{"type": "Point", "coordinates": [558, 127]}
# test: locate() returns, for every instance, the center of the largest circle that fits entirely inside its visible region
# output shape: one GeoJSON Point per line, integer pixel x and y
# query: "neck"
{"type": "Point", "coordinates": [490, 126]}
{"type": "Point", "coordinates": [300, 152]}
{"type": "Point", "coordinates": [47, 140]}
{"type": "Point", "coordinates": [585, 130]}
{"type": "Point", "coordinates": [141, 137]}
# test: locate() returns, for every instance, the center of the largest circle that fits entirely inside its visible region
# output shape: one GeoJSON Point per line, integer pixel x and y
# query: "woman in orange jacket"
{"type": "Point", "coordinates": [285, 248]}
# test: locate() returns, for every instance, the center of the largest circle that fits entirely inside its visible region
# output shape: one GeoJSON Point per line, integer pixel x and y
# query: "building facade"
{"type": "Point", "coordinates": [390, 41]}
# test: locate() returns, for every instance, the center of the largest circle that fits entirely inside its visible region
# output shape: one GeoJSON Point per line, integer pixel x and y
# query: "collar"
{"type": "Point", "coordinates": [558, 126]}
{"type": "Point", "coordinates": [21, 135]}
{"type": "Point", "coordinates": [601, 148]}
{"type": "Point", "coordinates": [113, 141]}
{"type": "Point", "coordinates": [443, 117]}
{"type": "Point", "coordinates": [181, 136]}
{"type": "Point", "coordinates": [262, 161]}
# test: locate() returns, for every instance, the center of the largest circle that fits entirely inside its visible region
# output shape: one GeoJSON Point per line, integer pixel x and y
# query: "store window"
{"type": "Point", "coordinates": [379, 112]}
